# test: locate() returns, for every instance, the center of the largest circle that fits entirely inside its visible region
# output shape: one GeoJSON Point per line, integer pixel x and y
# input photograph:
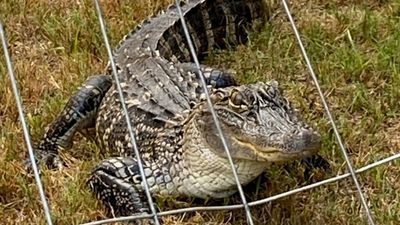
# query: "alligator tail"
{"type": "Point", "coordinates": [211, 24]}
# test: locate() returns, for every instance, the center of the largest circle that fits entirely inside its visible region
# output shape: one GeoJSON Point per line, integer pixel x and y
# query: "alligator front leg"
{"type": "Point", "coordinates": [117, 182]}
{"type": "Point", "coordinates": [78, 115]}
{"type": "Point", "coordinates": [315, 163]}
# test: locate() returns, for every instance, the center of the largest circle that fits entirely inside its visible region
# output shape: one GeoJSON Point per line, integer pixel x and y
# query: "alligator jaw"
{"type": "Point", "coordinates": [273, 154]}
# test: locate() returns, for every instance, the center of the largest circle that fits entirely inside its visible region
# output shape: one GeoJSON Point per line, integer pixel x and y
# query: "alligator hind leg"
{"type": "Point", "coordinates": [78, 115]}
{"type": "Point", "coordinates": [117, 182]}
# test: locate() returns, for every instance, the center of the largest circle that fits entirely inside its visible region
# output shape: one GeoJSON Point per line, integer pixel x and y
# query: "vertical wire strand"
{"type": "Point", "coordinates": [328, 112]}
{"type": "Point", "coordinates": [340, 177]}
{"type": "Point", "coordinates": [126, 114]}
{"type": "Point", "coordinates": [214, 115]}
{"type": "Point", "coordinates": [24, 125]}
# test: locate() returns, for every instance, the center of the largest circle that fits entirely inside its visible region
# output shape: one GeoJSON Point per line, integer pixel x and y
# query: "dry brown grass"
{"type": "Point", "coordinates": [56, 45]}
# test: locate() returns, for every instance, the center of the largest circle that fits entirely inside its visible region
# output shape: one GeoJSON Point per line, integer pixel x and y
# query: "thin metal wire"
{"type": "Point", "coordinates": [214, 115]}
{"type": "Point", "coordinates": [328, 112]}
{"type": "Point", "coordinates": [254, 203]}
{"type": "Point", "coordinates": [126, 114]}
{"type": "Point", "coordinates": [191, 209]}
{"type": "Point", "coordinates": [24, 125]}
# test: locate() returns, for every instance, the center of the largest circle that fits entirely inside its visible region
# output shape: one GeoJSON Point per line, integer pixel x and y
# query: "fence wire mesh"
{"type": "Point", "coordinates": [126, 114]}
{"type": "Point", "coordinates": [214, 115]}
{"type": "Point", "coordinates": [328, 112]}
{"type": "Point", "coordinates": [246, 205]}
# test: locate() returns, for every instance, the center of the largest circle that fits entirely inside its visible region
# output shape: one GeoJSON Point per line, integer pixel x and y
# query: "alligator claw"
{"type": "Point", "coordinates": [317, 162]}
{"type": "Point", "coordinates": [313, 164]}
{"type": "Point", "coordinates": [55, 162]}
{"type": "Point", "coordinates": [51, 162]}
{"type": "Point", "coordinates": [27, 164]}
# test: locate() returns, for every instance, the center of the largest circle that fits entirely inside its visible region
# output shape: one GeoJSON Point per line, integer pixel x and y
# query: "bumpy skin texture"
{"type": "Point", "coordinates": [179, 145]}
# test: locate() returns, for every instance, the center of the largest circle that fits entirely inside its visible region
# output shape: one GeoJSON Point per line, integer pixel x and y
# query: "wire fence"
{"type": "Point", "coordinates": [246, 205]}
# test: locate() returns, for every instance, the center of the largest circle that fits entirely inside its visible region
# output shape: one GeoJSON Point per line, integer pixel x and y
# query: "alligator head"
{"type": "Point", "coordinates": [258, 124]}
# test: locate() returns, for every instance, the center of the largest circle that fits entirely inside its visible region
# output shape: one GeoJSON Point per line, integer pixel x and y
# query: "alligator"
{"type": "Point", "coordinates": [179, 145]}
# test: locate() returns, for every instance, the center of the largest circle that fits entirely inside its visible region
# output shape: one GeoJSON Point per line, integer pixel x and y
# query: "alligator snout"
{"type": "Point", "coordinates": [306, 141]}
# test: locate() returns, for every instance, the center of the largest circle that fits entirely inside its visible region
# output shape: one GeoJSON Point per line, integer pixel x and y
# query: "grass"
{"type": "Point", "coordinates": [355, 50]}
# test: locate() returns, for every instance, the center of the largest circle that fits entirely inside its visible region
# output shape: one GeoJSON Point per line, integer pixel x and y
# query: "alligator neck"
{"type": "Point", "coordinates": [205, 174]}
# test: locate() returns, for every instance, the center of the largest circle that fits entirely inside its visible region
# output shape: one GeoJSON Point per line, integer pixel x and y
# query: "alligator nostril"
{"type": "Point", "coordinates": [304, 141]}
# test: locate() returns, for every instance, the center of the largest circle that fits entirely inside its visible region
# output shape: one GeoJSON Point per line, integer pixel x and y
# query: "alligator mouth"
{"type": "Point", "coordinates": [258, 149]}
{"type": "Point", "coordinates": [273, 154]}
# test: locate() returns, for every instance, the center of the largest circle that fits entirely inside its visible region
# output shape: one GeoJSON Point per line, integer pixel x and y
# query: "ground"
{"type": "Point", "coordinates": [354, 47]}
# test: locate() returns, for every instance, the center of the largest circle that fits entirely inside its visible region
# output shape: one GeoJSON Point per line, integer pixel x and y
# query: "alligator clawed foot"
{"type": "Point", "coordinates": [51, 161]}
{"type": "Point", "coordinates": [317, 162]}
{"type": "Point", "coordinates": [27, 165]}
{"type": "Point", "coordinates": [315, 167]}
{"type": "Point", "coordinates": [54, 162]}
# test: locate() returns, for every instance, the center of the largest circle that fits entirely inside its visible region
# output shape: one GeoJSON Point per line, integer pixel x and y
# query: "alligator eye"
{"type": "Point", "coordinates": [217, 96]}
{"type": "Point", "coordinates": [237, 100]}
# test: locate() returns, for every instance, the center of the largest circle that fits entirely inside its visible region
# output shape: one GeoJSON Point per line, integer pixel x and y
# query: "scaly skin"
{"type": "Point", "coordinates": [179, 145]}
